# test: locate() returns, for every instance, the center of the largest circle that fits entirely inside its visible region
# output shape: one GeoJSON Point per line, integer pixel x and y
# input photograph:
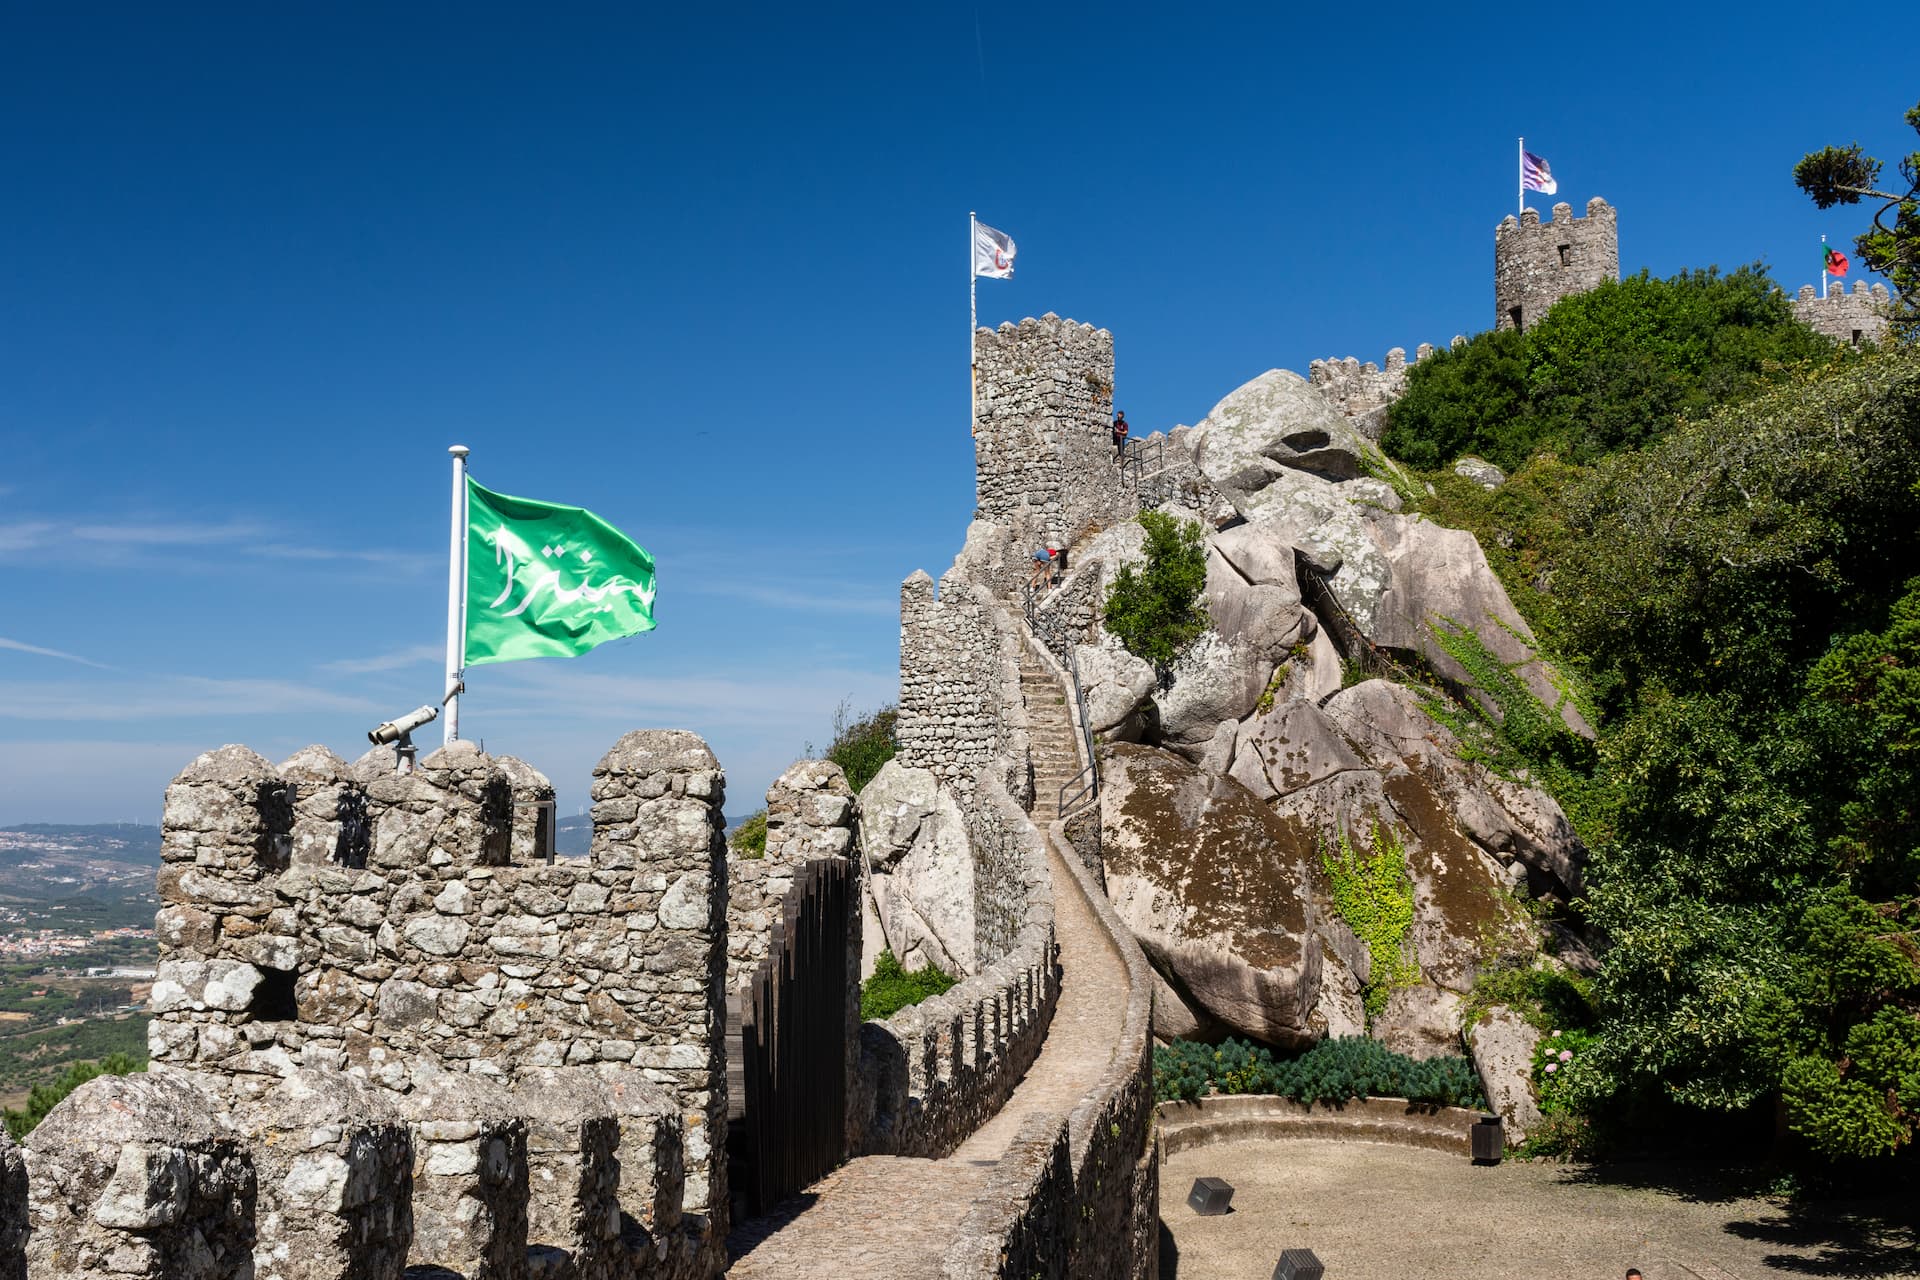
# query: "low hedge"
{"type": "Point", "coordinates": [1331, 1071]}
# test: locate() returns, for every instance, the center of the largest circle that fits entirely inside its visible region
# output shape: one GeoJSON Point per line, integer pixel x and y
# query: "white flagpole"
{"type": "Point", "coordinates": [456, 593]}
{"type": "Point", "coordinates": [1823, 270]}
{"type": "Point", "coordinates": [973, 323]}
{"type": "Point", "coordinates": [1521, 159]}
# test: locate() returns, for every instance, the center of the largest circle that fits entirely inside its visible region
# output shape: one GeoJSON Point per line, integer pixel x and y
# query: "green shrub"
{"type": "Point", "coordinates": [860, 746]}
{"type": "Point", "coordinates": [892, 988]}
{"type": "Point", "coordinates": [1374, 895]}
{"type": "Point", "coordinates": [749, 839]}
{"type": "Point", "coordinates": [1333, 1071]}
{"type": "Point", "coordinates": [1153, 609]}
{"type": "Point", "coordinates": [1604, 370]}
{"type": "Point", "coordinates": [1548, 999]}
{"type": "Point", "coordinates": [45, 1097]}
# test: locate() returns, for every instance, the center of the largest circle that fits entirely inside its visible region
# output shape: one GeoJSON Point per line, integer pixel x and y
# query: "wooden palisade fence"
{"type": "Point", "coordinates": [793, 1039]}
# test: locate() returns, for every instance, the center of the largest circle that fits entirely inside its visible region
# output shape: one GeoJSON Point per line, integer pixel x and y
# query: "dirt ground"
{"type": "Point", "coordinates": [1376, 1211]}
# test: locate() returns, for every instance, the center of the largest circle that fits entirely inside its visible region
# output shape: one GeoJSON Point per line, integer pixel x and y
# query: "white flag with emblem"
{"type": "Point", "coordinates": [992, 252]}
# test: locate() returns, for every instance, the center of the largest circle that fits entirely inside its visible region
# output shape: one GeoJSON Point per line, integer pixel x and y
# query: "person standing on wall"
{"type": "Point", "coordinates": [1120, 436]}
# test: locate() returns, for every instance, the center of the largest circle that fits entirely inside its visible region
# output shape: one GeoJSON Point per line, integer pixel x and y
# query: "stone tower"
{"type": "Point", "coordinates": [1535, 263]}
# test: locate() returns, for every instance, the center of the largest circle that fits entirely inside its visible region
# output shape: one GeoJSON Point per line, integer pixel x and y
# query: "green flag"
{"type": "Point", "coordinates": [547, 581]}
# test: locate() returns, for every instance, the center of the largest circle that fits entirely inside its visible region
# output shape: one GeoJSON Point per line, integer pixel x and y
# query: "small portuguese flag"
{"type": "Point", "coordinates": [1833, 262]}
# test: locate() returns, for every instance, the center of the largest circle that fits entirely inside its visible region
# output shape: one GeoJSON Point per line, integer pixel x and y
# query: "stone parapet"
{"type": "Point", "coordinates": [372, 928]}
{"type": "Point", "coordinates": [810, 814]}
{"type": "Point", "coordinates": [935, 1071]}
{"type": "Point", "coordinates": [144, 1175]}
{"type": "Point", "coordinates": [1358, 390]}
{"type": "Point", "coordinates": [1077, 1194]}
{"type": "Point", "coordinates": [1852, 319]}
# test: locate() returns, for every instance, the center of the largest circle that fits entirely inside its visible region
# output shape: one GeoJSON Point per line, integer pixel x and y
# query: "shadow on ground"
{"type": "Point", "coordinates": [1854, 1236]}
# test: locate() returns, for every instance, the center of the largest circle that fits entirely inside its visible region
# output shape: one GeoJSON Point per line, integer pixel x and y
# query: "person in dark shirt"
{"type": "Point", "coordinates": [1120, 435]}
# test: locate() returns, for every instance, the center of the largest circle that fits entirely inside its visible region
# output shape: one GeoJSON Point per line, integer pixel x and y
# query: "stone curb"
{"type": "Point", "coordinates": [1233, 1118]}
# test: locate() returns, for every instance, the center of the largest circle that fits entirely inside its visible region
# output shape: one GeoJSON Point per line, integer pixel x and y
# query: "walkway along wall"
{"type": "Point", "coordinates": [1078, 1195]}
{"type": "Point", "coordinates": [380, 1040]}
{"type": "Point", "coordinates": [935, 1071]}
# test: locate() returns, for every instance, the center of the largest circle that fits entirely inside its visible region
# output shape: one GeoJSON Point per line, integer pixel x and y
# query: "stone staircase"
{"type": "Point", "coordinates": [1056, 755]}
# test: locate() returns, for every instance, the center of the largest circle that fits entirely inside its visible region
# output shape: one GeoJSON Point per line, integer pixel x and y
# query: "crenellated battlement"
{"type": "Point", "coordinates": [415, 932]}
{"type": "Point", "coordinates": [1535, 263]}
{"type": "Point", "coordinates": [1357, 389]}
{"type": "Point", "coordinates": [1855, 318]}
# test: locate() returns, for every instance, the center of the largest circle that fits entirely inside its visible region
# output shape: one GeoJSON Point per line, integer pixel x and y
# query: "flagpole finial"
{"type": "Point", "coordinates": [458, 450]}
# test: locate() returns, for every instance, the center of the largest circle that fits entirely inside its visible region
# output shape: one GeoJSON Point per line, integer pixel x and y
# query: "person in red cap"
{"type": "Point", "coordinates": [1120, 435]}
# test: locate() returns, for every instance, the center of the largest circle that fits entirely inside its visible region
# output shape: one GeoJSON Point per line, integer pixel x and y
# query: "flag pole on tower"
{"type": "Point", "coordinates": [456, 594]}
{"type": "Point", "coordinates": [1824, 273]}
{"type": "Point", "coordinates": [973, 323]}
{"type": "Point", "coordinates": [1522, 161]}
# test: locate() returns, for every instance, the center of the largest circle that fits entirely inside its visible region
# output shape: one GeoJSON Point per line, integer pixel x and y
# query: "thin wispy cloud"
{"type": "Point", "coordinates": [120, 541]}
{"type": "Point", "coordinates": [18, 646]}
{"type": "Point", "coordinates": [415, 655]}
{"type": "Point", "coordinates": [168, 697]}
{"type": "Point", "coordinates": [835, 598]}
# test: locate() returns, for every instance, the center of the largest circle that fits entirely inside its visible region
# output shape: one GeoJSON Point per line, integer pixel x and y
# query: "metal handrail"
{"type": "Point", "coordinates": [1091, 772]}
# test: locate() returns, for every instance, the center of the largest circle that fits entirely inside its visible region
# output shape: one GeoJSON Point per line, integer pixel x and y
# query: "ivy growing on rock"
{"type": "Point", "coordinates": [1373, 893]}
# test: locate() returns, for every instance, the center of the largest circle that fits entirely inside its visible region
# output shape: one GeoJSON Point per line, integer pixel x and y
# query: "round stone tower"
{"type": "Point", "coordinates": [1535, 263]}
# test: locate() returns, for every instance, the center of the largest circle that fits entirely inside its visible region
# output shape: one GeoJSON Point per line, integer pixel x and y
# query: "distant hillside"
{"type": "Point", "coordinates": [60, 844]}
{"type": "Point", "coordinates": [573, 837]}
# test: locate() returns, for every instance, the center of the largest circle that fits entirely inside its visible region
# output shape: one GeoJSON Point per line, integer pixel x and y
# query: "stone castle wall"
{"type": "Point", "coordinates": [1044, 466]}
{"type": "Point", "coordinates": [1359, 390]}
{"type": "Point", "coordinates": [1535, 263]}
{"type": "Point", "coordinates": [960, 706]}
{"type": "Point", "coordinates": [1853, 319]}
{"type": "Point", "coordinates": [811, 816]}
{"type": "Point", "coordinates": [383, 1036]}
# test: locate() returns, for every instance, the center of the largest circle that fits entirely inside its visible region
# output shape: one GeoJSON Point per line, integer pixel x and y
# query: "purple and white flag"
{"type": "Point", "coordinates": [1535, 175]}
{"type": "Point", "coordinates": [992, 252]}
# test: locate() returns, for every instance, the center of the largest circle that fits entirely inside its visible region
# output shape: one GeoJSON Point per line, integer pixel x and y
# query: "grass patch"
{"type": "Point", "coordinates": [892, 987]}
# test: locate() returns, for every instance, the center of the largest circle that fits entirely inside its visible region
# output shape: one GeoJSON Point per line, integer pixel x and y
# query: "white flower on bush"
{"type": "Point", "coordinates": [1552, 1067]}
{"type": "Point", "coordinates": [1566, 1055]}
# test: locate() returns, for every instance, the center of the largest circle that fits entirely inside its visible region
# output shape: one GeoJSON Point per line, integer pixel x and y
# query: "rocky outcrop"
{"type": "Point", "coordinates": [1116, 685]}
{"type": "Point", "coordinates": [1440, 584]}
{"type": "Point", "coordinates": [1220, 892]}
{"type": "Point", "coordinates": [1480, 471]}
{"type": "Point", "coordinates": [1502, 1045]}
{"type": "Point", "coordinates": [913, 837]}
{"type": "Point", "coordinates": [1277, 421]}
{"type": "Point", "coordinates": [1214, 681]}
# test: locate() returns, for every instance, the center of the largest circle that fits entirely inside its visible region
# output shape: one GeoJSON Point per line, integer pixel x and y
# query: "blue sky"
{"type": "Point", "coordinates": [702, 272]}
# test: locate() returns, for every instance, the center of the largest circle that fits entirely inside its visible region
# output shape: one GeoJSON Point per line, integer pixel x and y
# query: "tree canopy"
{"type": "Point", "coordinates": [1847, 175]}
{"type": "Point", "coordinates": [1604, 370]}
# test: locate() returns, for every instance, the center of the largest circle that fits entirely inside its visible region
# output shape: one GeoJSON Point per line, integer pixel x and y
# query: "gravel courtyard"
{"type": "Point", "coordinates": [1377, 1211]}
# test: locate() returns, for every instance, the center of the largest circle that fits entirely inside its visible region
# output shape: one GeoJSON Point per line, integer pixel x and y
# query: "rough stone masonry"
{"type": "Point", "coordinates": [391, 1031]}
